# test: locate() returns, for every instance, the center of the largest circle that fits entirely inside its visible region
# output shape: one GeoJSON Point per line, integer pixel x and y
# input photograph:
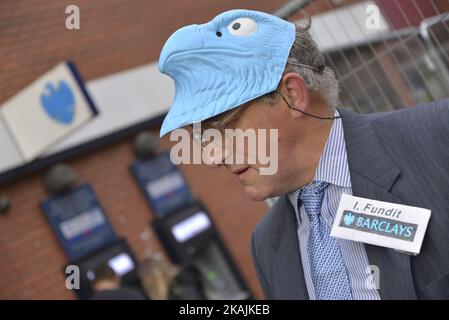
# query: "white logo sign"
{"type": "Point", "coordinates": [381, 223]}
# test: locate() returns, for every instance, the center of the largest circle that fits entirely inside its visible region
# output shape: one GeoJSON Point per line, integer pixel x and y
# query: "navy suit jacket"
{"type": "Point", "coordinates": [401, 157]}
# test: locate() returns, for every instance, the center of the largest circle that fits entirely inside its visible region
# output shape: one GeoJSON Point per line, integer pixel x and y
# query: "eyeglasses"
{"type": "Point", "coordinates": [203, 139]}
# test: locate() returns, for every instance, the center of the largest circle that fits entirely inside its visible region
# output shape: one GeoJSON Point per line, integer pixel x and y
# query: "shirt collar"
{"type": "Point", "coordinates": [333, 165]}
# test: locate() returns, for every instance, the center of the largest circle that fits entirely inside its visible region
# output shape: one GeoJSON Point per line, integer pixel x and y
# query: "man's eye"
{"type": "Point", "coordinates": [242, 27]}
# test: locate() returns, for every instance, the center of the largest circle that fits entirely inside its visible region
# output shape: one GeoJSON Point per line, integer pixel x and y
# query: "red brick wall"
{"type": "Point", "coordinates": [115, 35]}
{"type": "Point", "coordinates": [31, 258]}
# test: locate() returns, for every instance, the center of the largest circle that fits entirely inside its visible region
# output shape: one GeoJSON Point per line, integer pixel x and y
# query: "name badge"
{"type": "Point", "coordinates": [379, 223]}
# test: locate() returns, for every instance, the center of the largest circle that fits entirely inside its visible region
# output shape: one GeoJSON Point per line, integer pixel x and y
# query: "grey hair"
{"type": "Point", "coordinates": [306, 60]}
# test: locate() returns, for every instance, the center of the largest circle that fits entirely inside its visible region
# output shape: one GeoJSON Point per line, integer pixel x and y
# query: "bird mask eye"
{"type": "Point", "coordinates": [242, 27]}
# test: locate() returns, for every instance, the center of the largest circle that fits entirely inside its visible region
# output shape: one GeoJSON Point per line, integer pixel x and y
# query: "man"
{"type": "Point", "coordinates": [107, 286]}
{"type": "Point", "coordinates": [324, 151]}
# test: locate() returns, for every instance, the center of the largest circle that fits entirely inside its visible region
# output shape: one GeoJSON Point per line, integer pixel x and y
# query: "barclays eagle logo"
{"type": "Point", "coordinates": [59, 103]}
{"type": "Point", "coordinates": [348, 218]}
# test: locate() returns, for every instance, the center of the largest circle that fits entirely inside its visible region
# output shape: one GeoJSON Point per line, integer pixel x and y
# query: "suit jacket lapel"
{"type": "Point", "coordinates": [373, 175]}
{"type": "Point", "coordinates": [288, 276]}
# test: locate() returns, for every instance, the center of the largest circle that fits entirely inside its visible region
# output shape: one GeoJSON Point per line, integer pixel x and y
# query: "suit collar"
{"type": "Point", "coordinates": [288, 272]}
{"type": "Point", "coordinates": [366, 154]}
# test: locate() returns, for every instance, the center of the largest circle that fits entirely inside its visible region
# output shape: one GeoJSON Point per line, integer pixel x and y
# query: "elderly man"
{"type": "Point", "coordinates": [250, 70]}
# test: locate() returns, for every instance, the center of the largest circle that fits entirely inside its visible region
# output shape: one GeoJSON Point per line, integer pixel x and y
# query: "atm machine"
{"type": "Point", "coordinates": [119, 257]}
{"type": "Point", "coordinates": [185, 228]}
{"type": "Point", "coordinates": [190, 237]}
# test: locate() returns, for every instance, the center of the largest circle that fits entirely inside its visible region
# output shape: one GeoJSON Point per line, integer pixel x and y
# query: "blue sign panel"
{"type": "Point", "coordinates": [79, 222]}
{"type": "Point", "coordinates": [162, 183]}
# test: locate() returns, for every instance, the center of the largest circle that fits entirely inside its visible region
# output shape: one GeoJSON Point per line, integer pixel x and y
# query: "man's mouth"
{"type": "Point", "coordinates": [240, 171]}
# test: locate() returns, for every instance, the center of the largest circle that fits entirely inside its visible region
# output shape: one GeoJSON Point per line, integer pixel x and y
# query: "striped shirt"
{"type": "Point", "coordinates": [333, 168]}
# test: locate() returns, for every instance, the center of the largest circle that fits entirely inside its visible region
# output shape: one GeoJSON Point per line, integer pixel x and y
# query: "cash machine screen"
{"type": "Point", "coordinates": [118, 256]}
{"type": "Point", "coordinates": [190, 227]}
{"type": "Point", "coordinates": [162, 183]}
{"type": "Point", "coordinates": [79, 221]}
{"type": "Point", "coordinates": [191, 238]}
{"type": "Point", "coordinates": [121, 264]}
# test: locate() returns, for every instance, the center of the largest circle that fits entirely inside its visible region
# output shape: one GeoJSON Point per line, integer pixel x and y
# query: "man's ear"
{"type": "Point", "coordinates": [296, 92]}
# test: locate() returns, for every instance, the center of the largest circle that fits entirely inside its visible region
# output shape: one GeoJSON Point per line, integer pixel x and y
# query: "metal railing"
{"type": "Point", "coordinates": [396, 68]}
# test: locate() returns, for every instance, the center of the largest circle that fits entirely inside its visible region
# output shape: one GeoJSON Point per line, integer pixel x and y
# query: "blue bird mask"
{"type": "Point", "coordinates": [236, 57]}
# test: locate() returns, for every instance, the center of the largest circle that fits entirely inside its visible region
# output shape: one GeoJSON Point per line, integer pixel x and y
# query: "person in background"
{"type": "Point", "coordinates": [187, 284]}
{"type": "Point", "coordinates": [107, 286]}
{"type": "Point", "coordinates": [156, 274]}
{"type": "Point", "coordinates": [162, 280]}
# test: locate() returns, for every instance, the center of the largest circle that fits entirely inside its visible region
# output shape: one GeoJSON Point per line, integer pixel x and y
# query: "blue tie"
{"type": "Point", "coordinates": [328, 271]}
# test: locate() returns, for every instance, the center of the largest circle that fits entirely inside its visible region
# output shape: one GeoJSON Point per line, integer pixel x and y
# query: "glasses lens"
{"type": "Point", "coordinates": [212, 136]}
{"type": "Point", "coordinates": [212, 133]}
{"type": "Point", "coordinates": [197, 136]}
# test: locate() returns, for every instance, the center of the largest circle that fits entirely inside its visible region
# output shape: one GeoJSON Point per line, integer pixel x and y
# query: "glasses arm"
{"type": "Point", "coordinates": [307, 114]}
{"type": "Point", "coordinates": [221, 124]}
